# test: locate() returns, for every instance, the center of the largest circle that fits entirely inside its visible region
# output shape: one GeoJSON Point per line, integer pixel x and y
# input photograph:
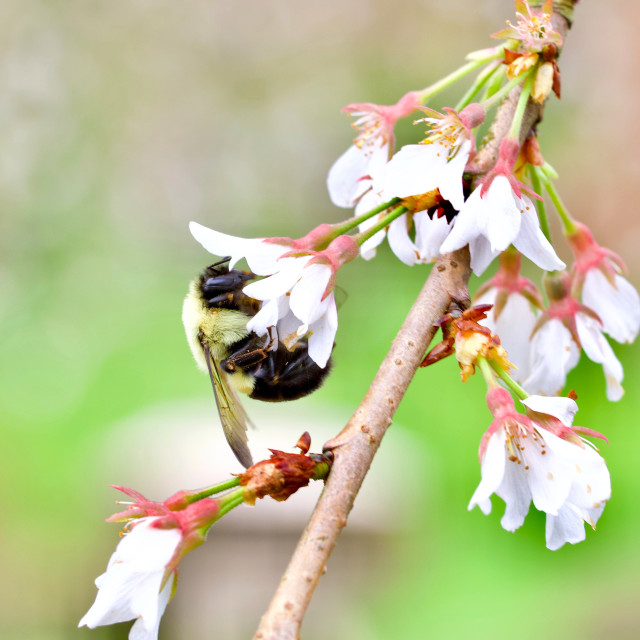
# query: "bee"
{"type": "Point", "coordinates": [215, 315]}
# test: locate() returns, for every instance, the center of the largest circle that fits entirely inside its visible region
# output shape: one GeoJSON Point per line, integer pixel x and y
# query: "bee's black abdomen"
{"type": "Point", "coordinates": [287, 375]}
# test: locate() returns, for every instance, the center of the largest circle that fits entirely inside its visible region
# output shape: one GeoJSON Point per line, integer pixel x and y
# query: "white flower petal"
{"type": "Point", "coordinates": [279, 283]}
{"type": "Point", "coordinates": [467, 225]}
{"type": "Point", "coordinates": [450, 181]}
{"type": "Point", "coordinates": [269, 315]}
{"type": "Point", "coordinates": [400, 242]}
{"type": "Point", "coordinates": [530, 241]}
{"type": "Point", "coordinates": [221, 244]}
{"type": "Point", "coordinates": [567, 526]}
{"type": "Point", "coordinates": [618, 307]}
{"type": "Point", "coordinates": [414, 170]}
{"type": "Point", "coordinates": [503, 214]}
{"type": "Point", "coordinates": [549, 475]}
{"type": "Point", "coordinates": [141, 632]}
{"type": "Point", "coordinates": [562, 408]}
{"type": "Point", "coordinates": [130, 588]}
{"type": "Point", "coordinates": [514, 325]}
{"type": "Point", "coordinates": [554, 354]}
{"type": "Point", "coordinates": [306, 296]}
{"type": "Point", "coordinates": [597, 348]}
{"type": "Point", "coordinates": [263, 257]}
{"type": "Point", "coordinates": [492, 470]}
{"type": "Point", "coordinates": [514, 490]}
{"type": "Point", "coordinates": [430, 234]}
{"type": "Point", "coordinates": [323, 333]}
{"type": "Point", "coordinates": [345, 181]}
{"type": "Point", "coordinates": [481, 254]}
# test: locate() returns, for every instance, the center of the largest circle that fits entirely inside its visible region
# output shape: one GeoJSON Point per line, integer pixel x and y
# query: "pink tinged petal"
{"type": "Point", "coordinates": [306, 296]}
{"type": "Point", "coordinates": [567, 526]}
{"type": "Point", "coordinates": [530, 241]}
{"type": "Point", "coordinates": [550, 475]}
{"type": "Point", "coordinates": [400, 242]}
{"type": "Point", "coordinates": [554, 354]}
{"type": "Point", "coordinates": [514, 490]}
{"type": "Point", "coordinates": [618, 307]}
{"type": "Point", "coordinates": [503, 214]}
{"type": "Point", "coordinates": [414, 170]}
{"type": "Point", "coordinates": [430, 234]}
{"type": "Point", "coordinates": [492, 471]}
{"type": "Point", "coordinates": [279, 283]}
{"type": "Point", "coordinates": [597, 348]}
{"type": "Point", "coordinates": [323, 333]}
{"type": "Point", "coordinates": [345, 181]}
{"type": "Point", "coordinates": [562, 408]}
{"type": "Point", "coordinates": [221, 244]}
{"type": "Point", "coordinates": [450, 182]}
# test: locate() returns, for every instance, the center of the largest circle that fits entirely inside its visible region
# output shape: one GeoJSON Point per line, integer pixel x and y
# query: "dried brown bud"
{"type": "Point", "coordinates": [279, 477]}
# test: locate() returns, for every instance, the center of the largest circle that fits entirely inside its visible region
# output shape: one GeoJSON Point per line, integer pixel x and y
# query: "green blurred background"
{"type": "Point", "coordinates": [122, 121]}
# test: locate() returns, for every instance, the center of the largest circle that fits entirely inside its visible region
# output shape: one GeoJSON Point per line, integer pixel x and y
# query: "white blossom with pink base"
{"type": "Point", "coordinates": [498, 214]}
{"type": "Point", "coordinates": [132, 586]}
{"type": "Point", "coordinates": [561, 331]}
{"type": "Point", "coordinates": [516, 303]}
{"type": "Point", "coordinates": [539, 457]}
{"type": "Point", "coordinates": [350, 176]}
{"type": "Point", "coordinates": [597, 280]}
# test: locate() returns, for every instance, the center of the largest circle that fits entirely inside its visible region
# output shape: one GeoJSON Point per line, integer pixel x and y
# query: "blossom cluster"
{"type": "Point", "coordinates": [429, 199]}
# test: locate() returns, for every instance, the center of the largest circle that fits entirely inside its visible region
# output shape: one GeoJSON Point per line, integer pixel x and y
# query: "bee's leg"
{"type": "Point", "coordinates": [246, 357]}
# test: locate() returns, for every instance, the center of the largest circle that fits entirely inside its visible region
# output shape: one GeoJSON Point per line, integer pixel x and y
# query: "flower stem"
{"type": "Point", "coordinates": [361, 238]}
{"type": "Point", "coordinates": [542, 211]}
{"type": "Point", "coordinates": [481, 80]}
{"type": "Point", "coordinates": [351, 223]}
{"type": "Point", "coordinates": [516, 123]}
{"type": "Point", "coordinates": [486, 372]}
{"type": "Point", "coordinates": [454, 76]}
{"type": "Point", "coordinates": [230, 501]}
{"type": "Point", "coordinates": [216, 488]}
{"type": "Point", "coordinates": [567, 220]}
{"type": "Point", "coordinates": [497, 97]}
{"type": "Point", "coordinates": [509, 381]}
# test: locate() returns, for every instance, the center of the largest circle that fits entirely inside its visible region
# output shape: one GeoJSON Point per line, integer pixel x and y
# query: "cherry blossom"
{"type": "Point", "coordinates": [349, 177]}
{"type": "Point", "coordinates": [498, 214]}
{"type": "Point", "coordinates": [515, 301]}
{"type": "Point", "coordinates": [134, 586]}
{"type": "Point", "coordinates": [562, 330]}
{"type": "Point", "coordinates": [534, 28]}
{"type": "Point", "coordinates": [597, 280]}
{"type": "Point", "coordinates": [537, 457]}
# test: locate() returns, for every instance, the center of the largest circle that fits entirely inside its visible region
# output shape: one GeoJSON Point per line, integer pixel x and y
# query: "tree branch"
{"type": "Point", "coordinates": [356, 445]}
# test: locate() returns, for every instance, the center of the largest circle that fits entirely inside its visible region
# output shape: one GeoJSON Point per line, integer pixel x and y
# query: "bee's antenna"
{"type": "Point", "coordinates": [225, 260]}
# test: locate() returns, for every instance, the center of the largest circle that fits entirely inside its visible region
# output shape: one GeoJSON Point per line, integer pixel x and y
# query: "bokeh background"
{"type": "Point", "coordinates": [122, 121]}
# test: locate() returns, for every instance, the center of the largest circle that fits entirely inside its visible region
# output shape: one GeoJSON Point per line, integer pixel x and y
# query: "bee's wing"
{"type": "Point", "coordinates": [232, 414]}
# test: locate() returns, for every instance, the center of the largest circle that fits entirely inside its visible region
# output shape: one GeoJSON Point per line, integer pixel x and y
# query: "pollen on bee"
{"type": "Point", "coordinates": [549, 475]}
